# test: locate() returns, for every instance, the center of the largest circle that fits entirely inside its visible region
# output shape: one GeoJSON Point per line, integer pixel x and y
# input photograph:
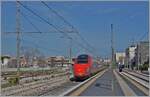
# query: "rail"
{"type": "Point", "coordinates": [137, 72]}
{"type": "Point", "coordinates": [138, 75]}
{"type": "Point", "coordinates": [141, 83]}
{"type": "Point", "coordinates": [77, 90]}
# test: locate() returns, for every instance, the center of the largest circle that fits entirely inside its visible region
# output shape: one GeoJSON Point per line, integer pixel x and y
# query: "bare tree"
{"type": "Point", "coordinates": [32, 56]}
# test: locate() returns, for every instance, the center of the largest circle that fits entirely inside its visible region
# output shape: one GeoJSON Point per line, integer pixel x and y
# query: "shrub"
{"type": "Point", "coordinates": [13, 80]}
{"type": "Point", "coordinates": [144, 67]}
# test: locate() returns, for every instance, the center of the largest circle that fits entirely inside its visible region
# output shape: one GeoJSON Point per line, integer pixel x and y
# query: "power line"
{"type": "Point", "coordinates": [44, 32]}
{"type": "Point", "coordinates": [31, 32]}
{"type": "Point", "coordinates": [143, 36]}
{"type": "Point", "coordinates": [30, 22]}
{"type": "Point", "coordinates": [42, 19]}
{"type": "Point", "coordinates": [55, 12]}
{"type": "Point", "coordinates": [67, 23]}
{"type": "Point", "coordinates": [86, 42]}
{"type": "Point", "coordinates": [49, 23]}
{"type": "Point", "coordinates": [35, 44]}
{"type": "Point", "coordinates": [52, 31]}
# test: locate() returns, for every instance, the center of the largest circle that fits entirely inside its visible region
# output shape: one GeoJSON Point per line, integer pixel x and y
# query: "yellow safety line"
{"type": "Point", "coordinates": [85, 86]}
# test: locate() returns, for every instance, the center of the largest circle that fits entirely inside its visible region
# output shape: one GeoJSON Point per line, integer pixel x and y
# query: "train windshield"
{"type": "Point", "coordinates": [82, 59]}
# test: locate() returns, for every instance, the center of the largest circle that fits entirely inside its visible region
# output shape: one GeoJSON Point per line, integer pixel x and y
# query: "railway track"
{"type": "Point", "coordinates": [95, 86]}
{"type": "Point", "coordinates": [69, 86]}
{"type": "Point", "coordinates": [78, 89]}
{"type": "Point", "coordinates": [62, 87]}
{"type": "Point", "coordinates": [138, 74]}
{"type": "Point", "coordinates": [56, 86]}
{"type": "Point", "coordinates": [58, 90]}
{"type": "Point", "coordinates": [34, 88]}
{"type": "Point", "coordinates": [23, 84]}
{"type": "Point", "coordinates": [139, 81]}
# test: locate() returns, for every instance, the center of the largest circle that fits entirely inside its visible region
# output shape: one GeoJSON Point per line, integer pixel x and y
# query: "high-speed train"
{"type": "Point", "coordinates": [84, 67]}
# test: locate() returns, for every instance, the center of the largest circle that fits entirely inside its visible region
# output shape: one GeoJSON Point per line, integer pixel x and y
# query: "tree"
{"type": "Point", "coordinates": [41, 62]}
{"type": "Point", "coordinates": [32, 55]}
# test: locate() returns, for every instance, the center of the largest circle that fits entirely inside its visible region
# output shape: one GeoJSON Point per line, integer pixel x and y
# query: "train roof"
{"type": "Point", "coordinates": [83, 56]}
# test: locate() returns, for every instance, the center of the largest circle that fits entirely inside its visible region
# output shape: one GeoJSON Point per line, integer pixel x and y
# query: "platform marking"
{"type": "Point", "coordinates": [125, 88]}
{"type": "Point", "coordinates": [139, 86]}
{"type": "Point", "coordinates": [76, 91]}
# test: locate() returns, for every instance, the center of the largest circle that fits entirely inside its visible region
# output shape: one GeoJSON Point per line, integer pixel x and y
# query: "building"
{"type": "Point", "coordinates": [130, 56]}
{"type": "Point", "coordinates": [5, 60]}
{"type": "Point", "coordinates": [120, 58]}
{"type": "Point", "coordinates": [142, 53]}
{"type": "Point", "coordinates": [12, 63]}
{"type": "Point", "coordinates": [57, 61]}
{"type": "Point", "coordinates": [23, 62]}
{"type": "Point", "coordinates": [106, 61]}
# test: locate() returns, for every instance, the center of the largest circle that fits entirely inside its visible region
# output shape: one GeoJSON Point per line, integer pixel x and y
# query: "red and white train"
{"type": "Point", "coordinates": [84, 67]}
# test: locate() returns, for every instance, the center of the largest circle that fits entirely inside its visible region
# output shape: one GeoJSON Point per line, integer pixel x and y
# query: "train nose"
{"type": "Point", "coordinates": [80, 71]}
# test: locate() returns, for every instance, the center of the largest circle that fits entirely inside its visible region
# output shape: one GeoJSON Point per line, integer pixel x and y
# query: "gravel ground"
{"type": "Point", "coordinates": [35, 88]}
{"type": "Point", "coordinates": [58, 90]}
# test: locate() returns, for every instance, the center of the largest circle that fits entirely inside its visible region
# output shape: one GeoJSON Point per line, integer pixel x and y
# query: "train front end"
{"type": "Point", "coordinates": [82, 66]}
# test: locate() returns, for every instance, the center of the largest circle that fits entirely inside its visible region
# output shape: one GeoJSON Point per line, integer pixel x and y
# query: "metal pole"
{"type": "Point", "coordinates": [18, 36]}
{"type": "Point", "coordinates": [113, 59]}
{"type": "Point", "coordinates": [70, 50]}
{"type": "Point", "coordinates": [138, 56]}
{"type": "Point", "coordinates": [70, 58]}
{"type": "Point", "coordinates": [112, 44]}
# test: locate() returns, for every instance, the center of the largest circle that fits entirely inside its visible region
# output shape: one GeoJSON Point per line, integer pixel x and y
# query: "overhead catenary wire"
{"type": "Point", "coordinates": [30, 22]}
{"type": "Point", "coordinates": [61, 17]}
{"type": "Point", "coordinates": [42, 18]}
{"type": "Point", "coordinates": [143, 36]}
{"type": "Point", "coordinates": [55, 12]}
{"type": "Point", "coordinates": [41, 47]}
{"type": "Point", "coordinates": [50, 24]}
{"type": "Point", "coordinates": [66, 22]}
{"type": "Point", "coordinates": [140, 38]}
{"type": "Point", "coordinates": [38, 30]}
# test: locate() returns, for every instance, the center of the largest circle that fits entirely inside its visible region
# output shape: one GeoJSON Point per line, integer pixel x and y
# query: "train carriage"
{"type": "Point", "coordinates": [84, 67]}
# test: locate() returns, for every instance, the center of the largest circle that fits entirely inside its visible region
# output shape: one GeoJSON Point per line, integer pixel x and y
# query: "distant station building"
{"type": "Point", "coordinates": [130, 56]}
{"type": "Point", "coordinates": [5, 60]}
{"type": "Point", "coordinates": [23, 62]}
{"type": "Point", "coordinates": [106, 61]}
{"type": "Point", "coordinates": [12, 63]}
{"type": "Point", "coordinates": [120, 58]}
{"type": "Point", "coordinates": [57, 61]}
{"type": "Point", "coordinates": [142, 53]}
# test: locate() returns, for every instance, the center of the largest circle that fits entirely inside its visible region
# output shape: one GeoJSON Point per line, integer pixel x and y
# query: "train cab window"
{"type": "Point", "coordinates": [82, 59]}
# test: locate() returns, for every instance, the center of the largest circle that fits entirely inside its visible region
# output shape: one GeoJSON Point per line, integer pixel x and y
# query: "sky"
{"type": "Point", "coordinates": [91, 19]}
